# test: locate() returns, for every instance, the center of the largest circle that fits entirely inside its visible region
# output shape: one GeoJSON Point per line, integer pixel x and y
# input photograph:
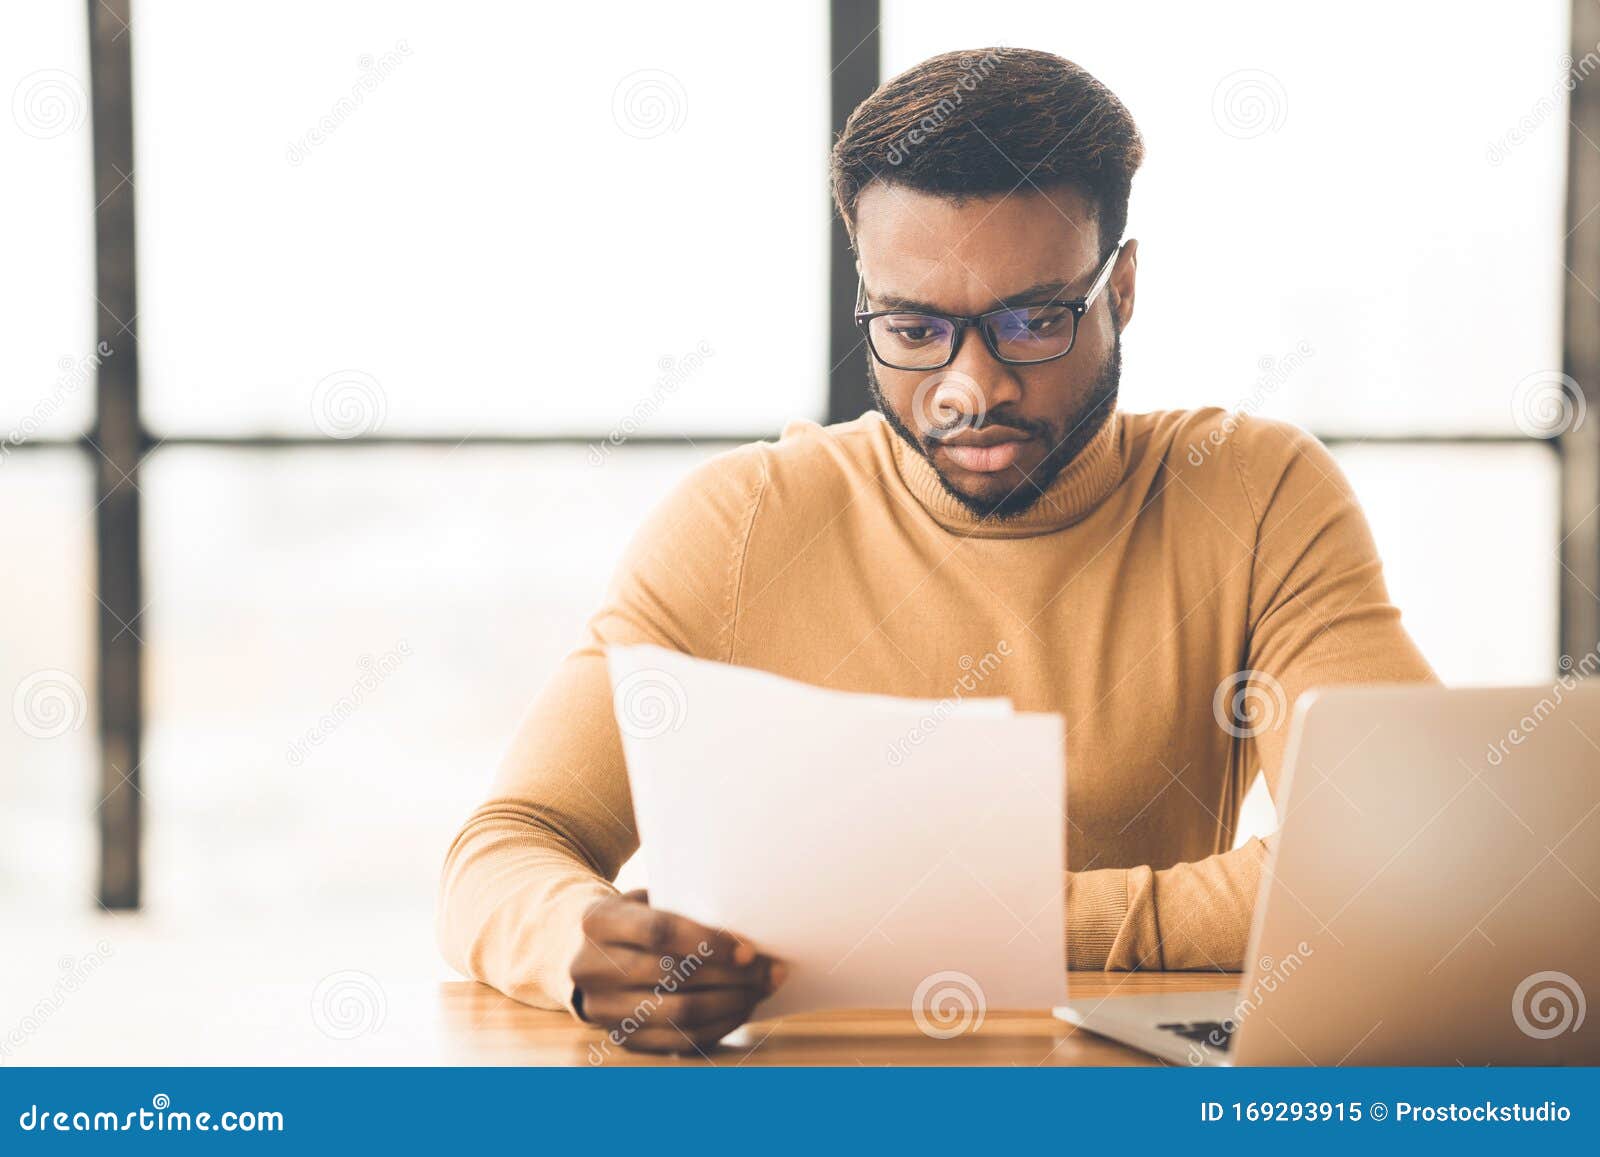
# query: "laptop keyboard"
{"type": "Point", "coordinates": [1213, 1033]}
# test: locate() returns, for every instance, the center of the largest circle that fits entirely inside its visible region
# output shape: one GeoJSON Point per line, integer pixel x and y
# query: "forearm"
{"type": "Point", "coordinates": [511, 903]}
{"type": "Point", "coordinates": [1189, 916]}
{"type": "Point", "coordinates": [530, 863]}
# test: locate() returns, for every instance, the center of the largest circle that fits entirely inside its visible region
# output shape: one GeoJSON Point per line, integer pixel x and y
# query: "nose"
{"type": "Point", "coordinates": [992, 382]}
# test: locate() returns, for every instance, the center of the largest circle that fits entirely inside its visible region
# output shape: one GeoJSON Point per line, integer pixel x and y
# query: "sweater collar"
{"type": "Point", "coordinates": [1072, 496]}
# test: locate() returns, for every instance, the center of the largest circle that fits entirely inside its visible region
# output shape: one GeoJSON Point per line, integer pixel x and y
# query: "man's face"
{"type": "Point", "coordinates": [996, 434]}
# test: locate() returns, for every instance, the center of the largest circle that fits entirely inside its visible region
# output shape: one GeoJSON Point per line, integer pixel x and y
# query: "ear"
{"type": "Point", "coordinates": [1121, 286]}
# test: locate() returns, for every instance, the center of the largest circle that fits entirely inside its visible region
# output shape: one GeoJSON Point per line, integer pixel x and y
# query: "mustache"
{"type": "Point", "coordinates": [1005, 417]}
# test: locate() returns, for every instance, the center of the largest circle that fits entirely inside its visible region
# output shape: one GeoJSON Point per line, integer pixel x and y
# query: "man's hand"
{"type": "Point", "coordinates": [678, 985]}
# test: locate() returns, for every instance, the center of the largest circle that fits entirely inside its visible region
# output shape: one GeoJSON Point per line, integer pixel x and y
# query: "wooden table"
{"type": "Point", "coordinates": [147, 991]}
{"type": "Point", "coordinates": [483, 1027]}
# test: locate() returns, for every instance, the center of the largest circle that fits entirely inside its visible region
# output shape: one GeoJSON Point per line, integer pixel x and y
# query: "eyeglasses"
{"type": "Point", "coordinates": [1018, 335]}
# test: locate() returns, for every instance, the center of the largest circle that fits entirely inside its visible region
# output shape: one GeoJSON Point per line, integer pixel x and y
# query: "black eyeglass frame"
{"type": "Point", "coordinates": [1078, 306]}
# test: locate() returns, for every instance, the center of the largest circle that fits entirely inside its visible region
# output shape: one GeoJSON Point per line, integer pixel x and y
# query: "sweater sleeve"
{"type": "Point", "coordinates": [558, 825]}
{"type": "Point", "coordinates": [1318, 615]}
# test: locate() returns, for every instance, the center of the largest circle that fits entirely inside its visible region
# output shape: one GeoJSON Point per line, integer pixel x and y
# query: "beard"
{"type": "Point", "coordinates": [1066, 438]}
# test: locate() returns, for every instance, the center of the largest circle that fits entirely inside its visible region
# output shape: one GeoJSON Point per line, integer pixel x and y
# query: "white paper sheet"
{"type": "Point", "coordinates": [896, 853]}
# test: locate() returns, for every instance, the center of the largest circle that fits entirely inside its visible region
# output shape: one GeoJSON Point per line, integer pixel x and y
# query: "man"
{"type": "Point", "coordinates": [1169, 583]}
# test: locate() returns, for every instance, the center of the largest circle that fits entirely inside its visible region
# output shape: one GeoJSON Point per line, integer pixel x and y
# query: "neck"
{"type": "Point", "coordinates": [1071, 496]}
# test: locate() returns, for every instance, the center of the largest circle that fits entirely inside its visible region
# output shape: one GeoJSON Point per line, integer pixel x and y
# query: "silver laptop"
{"type": "Point", "coordinates": [1433, 895]}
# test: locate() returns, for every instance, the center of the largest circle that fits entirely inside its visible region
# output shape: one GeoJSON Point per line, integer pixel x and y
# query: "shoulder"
{"type": "Point", "coordinates": [809, 472]}
{"type": "Point", "coordinates": [810, 475]}
{"type": "Point", "coordinates": [1223, 455]}
{"type": "Point", "coordinates": [827, 456]}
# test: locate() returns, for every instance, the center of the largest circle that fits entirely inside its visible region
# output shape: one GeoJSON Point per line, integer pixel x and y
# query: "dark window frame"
{"type": "Point", "coordinates": [118, 442]}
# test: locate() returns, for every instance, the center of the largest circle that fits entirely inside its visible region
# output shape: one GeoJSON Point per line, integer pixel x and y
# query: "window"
{"type": "Point", "coordinates": [357, 630]}
{"type": "Point", "coordinates": [396, 226]}
{"type": "Point", "coordinates": [399, 399]}
{"type": "Point", "coordinates": [47, 230]}
{"type": "Point", "coordinates": [47, 381]}
{"type": "Point", "coordinates": [1373, 261]}
{"type": "Point", "coordinates": [386, 231]}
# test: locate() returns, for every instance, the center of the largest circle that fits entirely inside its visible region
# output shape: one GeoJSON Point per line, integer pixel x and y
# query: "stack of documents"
{"type": "Point", "coordinates": [896, 853]}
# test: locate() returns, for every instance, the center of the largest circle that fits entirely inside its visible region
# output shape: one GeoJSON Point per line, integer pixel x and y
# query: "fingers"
{"type": "Point", "coordinates": [663, 933]}
{"type": "Point", "coordinates": [661, 982]}
{"type": "Point", "coordinates": [619, 966]}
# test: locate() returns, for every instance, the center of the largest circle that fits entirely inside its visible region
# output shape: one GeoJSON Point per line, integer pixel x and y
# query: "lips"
{"type": "Point", "coordinates": [984, 451]}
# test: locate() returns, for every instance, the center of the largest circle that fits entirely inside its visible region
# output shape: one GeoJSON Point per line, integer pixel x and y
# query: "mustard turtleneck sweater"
{"type": "Point", "coordinates": [1185, 565]}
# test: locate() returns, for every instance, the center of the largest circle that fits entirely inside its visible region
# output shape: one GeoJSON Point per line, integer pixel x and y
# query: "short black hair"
{"type": "Point", "coordinates": [989, 121]}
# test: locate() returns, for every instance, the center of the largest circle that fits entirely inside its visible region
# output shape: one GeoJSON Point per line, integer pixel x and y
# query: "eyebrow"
{"type": "Point", "coordinates": [1033, 295]}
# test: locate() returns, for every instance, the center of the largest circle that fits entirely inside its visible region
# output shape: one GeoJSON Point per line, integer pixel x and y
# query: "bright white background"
{"type": "Point", "coordinates": [456, 252]}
